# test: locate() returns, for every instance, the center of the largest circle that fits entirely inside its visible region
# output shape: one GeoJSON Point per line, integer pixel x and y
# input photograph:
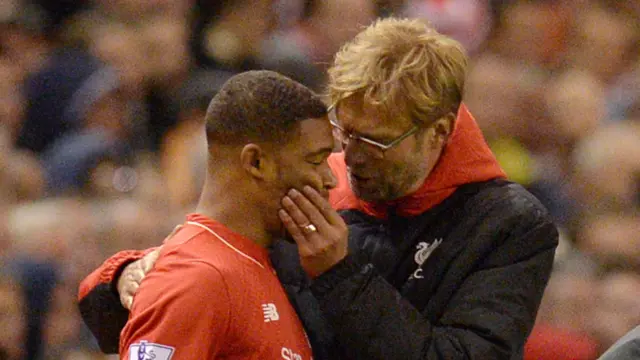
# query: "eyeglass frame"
{"type": "Point", "coordinates": [333, 120]}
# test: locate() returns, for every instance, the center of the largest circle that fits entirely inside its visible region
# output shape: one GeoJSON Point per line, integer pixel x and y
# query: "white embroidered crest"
{"type": "Point", "coordinates": [149, 351]}
{"type": "Point", "coordinates": [424, 251]}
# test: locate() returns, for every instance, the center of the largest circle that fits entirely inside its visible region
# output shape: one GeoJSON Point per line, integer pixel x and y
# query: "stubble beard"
{"type": "Point", "coordinates": [391, 185]}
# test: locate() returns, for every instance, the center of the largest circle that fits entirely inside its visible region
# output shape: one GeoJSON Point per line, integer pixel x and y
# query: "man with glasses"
{"type": "Point", "coordinates": [447, 259]}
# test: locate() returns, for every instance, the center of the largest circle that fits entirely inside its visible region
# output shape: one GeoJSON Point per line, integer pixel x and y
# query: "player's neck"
{"type": "Point", "coordinates": [234, 212]}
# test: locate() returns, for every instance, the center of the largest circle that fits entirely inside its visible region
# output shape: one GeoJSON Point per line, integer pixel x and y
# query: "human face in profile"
{"type": "Point", "coordinates": [388, 172]}
{"type": "Point", "coordinates": [303, 161]}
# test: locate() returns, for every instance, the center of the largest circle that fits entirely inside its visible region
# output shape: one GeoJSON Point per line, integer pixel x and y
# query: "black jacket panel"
{"type": "Point", "coordinates": [475, 296]}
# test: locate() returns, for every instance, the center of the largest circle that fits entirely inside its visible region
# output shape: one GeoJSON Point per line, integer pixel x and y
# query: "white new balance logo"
{"type": "Point", "coordinates": [270, 312]}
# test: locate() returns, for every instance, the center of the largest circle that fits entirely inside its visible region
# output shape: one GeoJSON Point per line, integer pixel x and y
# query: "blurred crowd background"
{"type": "Point", "coordinates": [101, 102]}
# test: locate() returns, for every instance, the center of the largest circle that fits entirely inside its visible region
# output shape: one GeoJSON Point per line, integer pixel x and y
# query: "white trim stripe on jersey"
{"type": "Point", "coordinates": [225, 242]}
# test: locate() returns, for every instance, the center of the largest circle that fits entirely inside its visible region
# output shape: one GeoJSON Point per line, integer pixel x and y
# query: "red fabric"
{"type": "Point", "coordinates": [104, 274]}
{"type": "Point", "coordinates": [466, 158]}
{"type": "Point", "coordinates": [213, 294]}
{"type": "Point", "coordinates": [548, 342]}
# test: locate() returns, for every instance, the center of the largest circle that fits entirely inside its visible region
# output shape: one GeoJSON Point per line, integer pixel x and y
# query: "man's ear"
{"type": "Point", "coordinates": [254, 160]}
{"type": "Point", "coordinates": [442, 128]}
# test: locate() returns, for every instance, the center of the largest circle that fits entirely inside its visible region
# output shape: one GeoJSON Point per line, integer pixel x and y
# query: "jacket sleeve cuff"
{"type": "Point", "coordinates": [352, 264]}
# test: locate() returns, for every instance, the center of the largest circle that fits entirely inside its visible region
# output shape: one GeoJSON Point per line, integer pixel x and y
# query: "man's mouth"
{"type": "Point", "coordinates": [359, 178]}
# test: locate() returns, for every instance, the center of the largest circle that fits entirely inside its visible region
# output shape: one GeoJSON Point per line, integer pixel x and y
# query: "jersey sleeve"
{"type": "Point", "coordinates": [99, 302]}
{"type": "Point", "coordinates": [182, 311]}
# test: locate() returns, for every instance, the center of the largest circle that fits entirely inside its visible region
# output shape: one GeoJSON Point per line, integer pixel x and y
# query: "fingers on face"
{"type": "Point", "coordinates": [308, 240]}
{"type": "Point", "coordinates": [293, 209]}
{"type": "Point", "coordinates": [303, 210]}
{"type": "Point", "coordinates": [321, 204]}
{"type": "Point", "coordinates": [294, 230]}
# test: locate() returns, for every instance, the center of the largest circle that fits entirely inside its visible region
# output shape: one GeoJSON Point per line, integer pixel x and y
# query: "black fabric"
{"type": "Point", "coordinates": [480, 288]}
{"type": "Point", "coordinates": [476, 296]}
{"type": "Point", "coordinates": [284, 257]}
{"type": "Point", "coordinates": [104, 315]}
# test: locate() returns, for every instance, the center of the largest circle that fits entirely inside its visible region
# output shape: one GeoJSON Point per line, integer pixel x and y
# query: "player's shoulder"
{"type": "Point", "coordinates": [197, 247]}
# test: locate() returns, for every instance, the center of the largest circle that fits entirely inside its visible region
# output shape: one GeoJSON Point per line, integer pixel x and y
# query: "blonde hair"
{"type": "Point", "coordinates": [404, 66]}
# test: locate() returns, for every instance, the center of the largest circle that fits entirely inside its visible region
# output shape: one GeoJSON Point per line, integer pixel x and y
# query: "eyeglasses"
{"type": "Point", "coordinates": [344, 136]}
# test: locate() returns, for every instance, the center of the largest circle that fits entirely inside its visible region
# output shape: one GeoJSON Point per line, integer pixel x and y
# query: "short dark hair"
{"type": "Point", "coordinates": [260, 106]}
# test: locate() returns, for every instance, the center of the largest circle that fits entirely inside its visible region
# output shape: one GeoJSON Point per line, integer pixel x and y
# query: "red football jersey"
{"type": "Point", "coordinates": [212, 294]}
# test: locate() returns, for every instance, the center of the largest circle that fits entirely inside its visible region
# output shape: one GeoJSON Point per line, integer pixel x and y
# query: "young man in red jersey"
{"type": "Point", "coordinates": [213, 292]}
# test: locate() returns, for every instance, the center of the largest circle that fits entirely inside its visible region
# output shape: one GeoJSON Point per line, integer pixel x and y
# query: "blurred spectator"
{"type": "Point", "coordinates": [101, 133]}
{"type": "Point", "coordinates": [386, 8]}
{"type": "Point", "coordinates": [612, 239]}
{"type": "Point", "coordinates": [607, 165]}
{"type": "Point", "coordinates": [304, 50]}
{"type": "Point", "coordinates": [26, 35]}
{"type": "Point", "coordinates": [53, 95]}
{"type": "Point", "coordinates": [228, 33]}
{"type": "Point", "coordinates": [40, 264]}
{"type": "Point", "coordinates": [63, 330]}
{"type": "Point", "coordinates": [121, 47]}
{"type": "Point", "coordinates": [574, 102]}
{"type": "Point", "coordinates": [168, 63]}
{"type": "Point", "coordinates": [531, 124]}
{"type": "Point", "coordinates": [504, 96]}
{"type": "Point", "coordinates": [21, 177]}
{"type": "Point", "coordinates": [468, 21]}
{"type": "Point", "coordinates": [533, 32]}
{"type": "Point", "coordinates": [561, 332]}
{"type": "Point", "coordinates": [551, 343]}
{"type": "Point", "coordinates": [153, 60]}
{"type": "Point", "coordinates": [11, 99]}
{"type": "Point", "coordinates": [624, 97]}
{"type": "Point", "coordinates": [12, 317]}
{"type": "Point", "coordinates": [58, 11]}
{"type": "Point", "coordinates": [604, 43]}
{"type": "Point", "coordinates": [184, 148]}
{"type": "Point", "coordinates": [569, 297]}
{"type": "Point", "coordinates": [130, 11]}
{"type": "Point", "coordinates": [166, 43]}
{"type": "Point", "coordinates": [618, 309]}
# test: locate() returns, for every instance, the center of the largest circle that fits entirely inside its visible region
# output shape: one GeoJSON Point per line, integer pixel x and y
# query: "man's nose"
{"type": "Point", "coordinates": [329, 179]}
{"type": "Point", "coordinates": [353, 154]}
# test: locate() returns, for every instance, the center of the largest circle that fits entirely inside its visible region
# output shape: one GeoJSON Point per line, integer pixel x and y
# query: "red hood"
{"type": "Point", "coordinates": [466, 159]}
